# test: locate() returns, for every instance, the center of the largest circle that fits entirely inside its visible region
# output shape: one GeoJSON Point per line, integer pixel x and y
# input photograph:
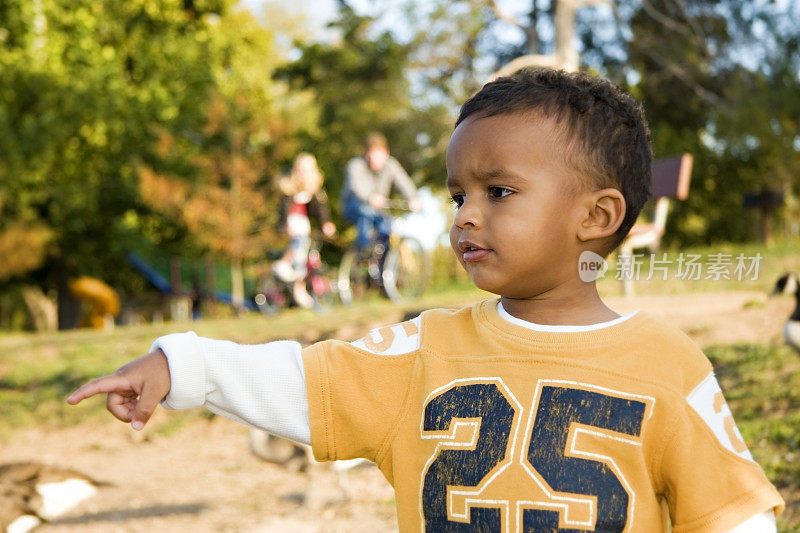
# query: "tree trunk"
{"type": "Point", "coordinates": [69, 307]}
{"type": "Point", "coordinates": [531, 33]}
{"type": "Point", "coordinates": [237, 283]}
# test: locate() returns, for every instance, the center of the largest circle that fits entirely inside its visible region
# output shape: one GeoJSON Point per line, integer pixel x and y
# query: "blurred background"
{"type": "Point", "coordinates": [156, 128]}
{"type": "Point", "coordinates": [140, 143]}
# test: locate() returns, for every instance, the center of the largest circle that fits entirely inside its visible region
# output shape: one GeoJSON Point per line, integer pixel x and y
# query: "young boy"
{"type": "Point", "coordinates": [542, 410]}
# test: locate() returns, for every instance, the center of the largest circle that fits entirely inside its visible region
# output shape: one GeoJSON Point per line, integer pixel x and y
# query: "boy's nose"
{"type": "Point", "coordinates": [467, 215]}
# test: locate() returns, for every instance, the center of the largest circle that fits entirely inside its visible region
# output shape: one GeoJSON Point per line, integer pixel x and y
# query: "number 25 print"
{"type": "Point", "coordinates": [477, 423]}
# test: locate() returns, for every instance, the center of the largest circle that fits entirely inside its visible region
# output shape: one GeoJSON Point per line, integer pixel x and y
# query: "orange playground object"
{"type": "Point", "coordinates": [102, 299]}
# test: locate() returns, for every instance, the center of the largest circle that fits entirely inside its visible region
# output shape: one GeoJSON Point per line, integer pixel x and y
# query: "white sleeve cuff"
{"type": "Point", "coordinates": [760, 523]}
{"type": "Point", "coordinates": [187, 371]}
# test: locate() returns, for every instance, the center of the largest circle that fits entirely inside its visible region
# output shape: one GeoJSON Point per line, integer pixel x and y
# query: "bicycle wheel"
{"type": "Point", "coordinates": [405, 271]}
{"type": "Point", "coordinates": [271, 296]}
{"type": "Point", "coordinates": [353, 279]}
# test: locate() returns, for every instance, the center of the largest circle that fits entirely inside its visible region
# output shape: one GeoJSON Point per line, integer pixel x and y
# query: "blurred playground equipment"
{"type": "Point", "coordinates": [102, 301]}
{"type": "Point", "coordinates": [184, 303]}
{"type": "Point", "coordinates": [671, 178]}
{"type": "Point", "coordinates": [184, 286]}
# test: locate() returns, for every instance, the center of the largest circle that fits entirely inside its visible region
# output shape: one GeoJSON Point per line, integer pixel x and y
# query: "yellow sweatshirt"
{"type": "Point", "coordinates": [483, 425]}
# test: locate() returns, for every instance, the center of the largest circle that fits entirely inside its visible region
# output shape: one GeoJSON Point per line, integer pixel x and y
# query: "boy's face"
{"type": "Point", "coordinates": [515, 229]}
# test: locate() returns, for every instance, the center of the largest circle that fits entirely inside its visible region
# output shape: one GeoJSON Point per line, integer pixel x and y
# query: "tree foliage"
{"type": "Point", "coordinates": [717, 79]}
{"type": "Point", "coordinates": [90, 90]}
{"type": "Point", "coordinates": [360, 85]}
{"type": "Point", "coordinates": [711, 86]}
{"type": "Point", "coordinates": [216, 178]}
{"type": "Point", "coordinates": [102, 99]}
{"type": "Point", "coordinates": [223, 201]}
{"type": "Point", "coordinates": [84, 84]}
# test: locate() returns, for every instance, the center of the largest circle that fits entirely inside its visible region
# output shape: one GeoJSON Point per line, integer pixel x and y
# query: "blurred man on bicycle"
{"type": "Point", "coordinates": [368, 181]}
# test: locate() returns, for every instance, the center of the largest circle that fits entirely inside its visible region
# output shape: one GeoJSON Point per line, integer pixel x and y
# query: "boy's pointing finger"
{"type": "Point", "coordinates": [112, 383]}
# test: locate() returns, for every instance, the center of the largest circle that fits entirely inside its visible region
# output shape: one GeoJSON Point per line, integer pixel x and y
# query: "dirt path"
{"type": "Point", "coordinates": [717, 318]}
{"type": "Point", "coordinates": [202, 478]}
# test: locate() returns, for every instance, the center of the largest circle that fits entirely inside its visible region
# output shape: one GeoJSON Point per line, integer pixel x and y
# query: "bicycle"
{"type": "Point", "coordinates": [400, 273]}
{"type": "Point", "coordinates": [276, 290]}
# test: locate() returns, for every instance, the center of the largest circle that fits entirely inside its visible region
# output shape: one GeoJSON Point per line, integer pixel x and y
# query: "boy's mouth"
{"type": "Point", "coordinates": [471, 251]}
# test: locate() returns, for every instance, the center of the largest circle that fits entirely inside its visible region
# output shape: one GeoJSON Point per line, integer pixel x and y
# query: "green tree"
{"type": "Point", "coordinates": [360, 85]}
{"type": "Point", "coordinates": [216, 180]}
{"type": "Point", "coordinates": [719, 82]}
{"type": "Point", "coordinates": [83, 85]}
{"type": "Point", "coordinates": [717, 79]}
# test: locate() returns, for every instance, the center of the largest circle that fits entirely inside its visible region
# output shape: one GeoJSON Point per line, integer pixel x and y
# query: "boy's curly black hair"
{"type": "Point", "coordinates": [605, 131]}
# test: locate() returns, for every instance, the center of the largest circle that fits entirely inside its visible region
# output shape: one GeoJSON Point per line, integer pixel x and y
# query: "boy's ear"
{"type": "Point", "coordinates": [603, 214]}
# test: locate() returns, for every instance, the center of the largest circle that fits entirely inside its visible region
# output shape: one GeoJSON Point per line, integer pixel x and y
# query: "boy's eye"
{"type": "Point", "coordinates": [457, 199]}
{"type": "Point", "coordinates": [498, 192]}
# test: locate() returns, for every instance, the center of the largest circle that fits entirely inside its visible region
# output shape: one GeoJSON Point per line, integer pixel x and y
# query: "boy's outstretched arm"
{"type": "Point", "coordinates": [134, 390]}
{"type": "Point", "coordinates": [262, 385]}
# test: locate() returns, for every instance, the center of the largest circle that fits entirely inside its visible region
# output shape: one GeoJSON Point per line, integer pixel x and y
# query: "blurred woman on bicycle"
{"type": "Point", "coordinates": [303, 200]}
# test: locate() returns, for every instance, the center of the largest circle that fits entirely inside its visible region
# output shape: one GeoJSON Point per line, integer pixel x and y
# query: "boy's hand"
{"type": "Point", "coordinates": [134, 391]}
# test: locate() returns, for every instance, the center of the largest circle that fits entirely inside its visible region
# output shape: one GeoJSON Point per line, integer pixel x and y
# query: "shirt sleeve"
{"type": "Point", "coordinates": [711, 481]}
{"type": "Point", "coordinates": [355, 399]}
{"type": "Point", "coordinates": [262, 385]}
{"type": "Point", "coordinates": [402, 180]}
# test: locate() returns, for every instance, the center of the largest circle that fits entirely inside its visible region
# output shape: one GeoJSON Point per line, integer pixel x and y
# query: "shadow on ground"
{"type": "Point", "coordinates": [121, 515]}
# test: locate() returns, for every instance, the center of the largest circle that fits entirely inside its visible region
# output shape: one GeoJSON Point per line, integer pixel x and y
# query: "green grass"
{"type": "Point", "coordinates": [762, 387]}
{"type": "Point", "coordinates": [761, 381]}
